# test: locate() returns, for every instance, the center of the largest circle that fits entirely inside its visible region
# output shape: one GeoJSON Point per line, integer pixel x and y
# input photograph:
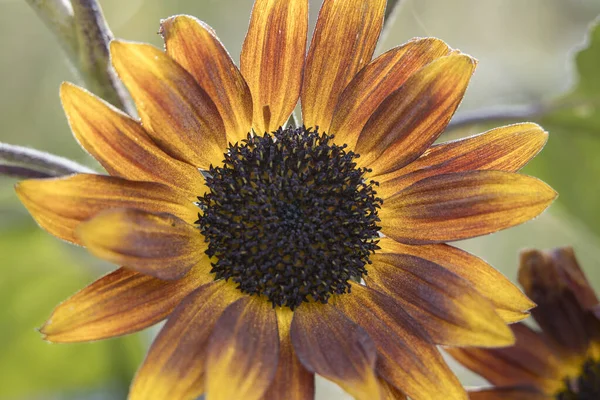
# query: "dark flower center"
{"type": "Point", "coordinates": [584, 387]}
{"type": "Point", "coordinates": [290, 216]}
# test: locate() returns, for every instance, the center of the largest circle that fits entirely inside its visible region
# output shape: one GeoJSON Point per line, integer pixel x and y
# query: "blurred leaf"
{"type": "Point", "coordinates": [37, 274]}
{"type": "Point", "coordinates": [570, 162]}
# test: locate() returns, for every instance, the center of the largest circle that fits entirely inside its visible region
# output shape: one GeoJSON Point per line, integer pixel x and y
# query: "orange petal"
{"type": "Point", "coordinates": [510, 303]}
{"type": "Point", "coordinates": [343, 42]}
{"type": "Point", "coordinates": [410, 119]}
{"type": "Point", "coordinates": [406, 357]}
{"type": "Point", "coordinates": [530, 362]}
{"type": "Point", "coordinates": [509, 393]}
{"type": "Point", "coordinates": [292, 381]}
{"type": "Point", "coordinates": [175, 365]}
{"type": "Point", "coordinates": [243, 351]}
{"type": "Point", "coordinates": [378, 80]}
{"type": "Point", "coordinates": [507, 148]}
{"type": "Point", "coordinates": [463, 205]}
{"type": "Point", "coordinates": [121, 145]}
{"type": "Point", "coordinates": [119, 303]}
{"type": "Point", "coordinates": [272, 59]}
{"type": "Point", "coordinates": [177, 113]}
{"type": "Point", "coordinates": [160, 245]}
{"type": "Point", "coordinates": [195, 47]}
{"type": "Point", "coordinates": [451, 311]}
{"type": "Point", "coordinates": [60, 204]}
{"type": "Point", "coordinates": [329, 344]}
{"type": "Point", "coordinates": [389, 391]}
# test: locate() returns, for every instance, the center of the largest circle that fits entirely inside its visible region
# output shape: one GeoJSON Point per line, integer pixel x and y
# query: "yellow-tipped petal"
{"type": "Point", "coordinates": [272, 59]}
{"type": "Point", "coordinates": [463, 205]}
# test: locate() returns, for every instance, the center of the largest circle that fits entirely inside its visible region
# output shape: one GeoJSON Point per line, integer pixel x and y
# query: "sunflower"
{"type": "Point", "coordinates": [277, 251]}
{"type": "Point", "coordinates": [562, 360]}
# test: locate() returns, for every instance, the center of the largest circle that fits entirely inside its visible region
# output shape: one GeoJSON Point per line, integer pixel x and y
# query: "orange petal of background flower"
{"type": "Point", "coordinates": [509, 393]}
{"type": "Point", "coordinates": [510, 302]}
{"type": "Point", "coordinates": [329, 344]}
{"type": "Point", "coordinates": [175, 365]}
{"type": "Point", "coordinates": [160, 245]}
{"type": "Point", "coordinates": [507, 148]}
{"type": "Point", "coordinates": [410, 119]}
{"type": "Point", "coordinates": [60, 204]}
{"type": "Point", "coordinates": [272, 59]}
{"type": "Point", "coordinates": [119, 303]}
{"type": "Point", "coordinates": [292, 381]}
{"type": "Point", "coordinates": [120, 143]}
{"type": "Point", "coordinates": [378, 80]}
{"type": "Point", "coordinates": [529, 362]}
{"type": "Point", "coordinates": [450, 310]}
{"type": "Point", "coordinates": [195, 47]}
{"type": "Point", "coordinates": [463, 205]}
{"type": "Point", "coordinates": [243, 351]}
{"type": "Point", "coordinates": [406, 357]}
{"type": "Point", "coordinates": [343, 42]}
{"type": "Point", "coordinates": [175, 111]}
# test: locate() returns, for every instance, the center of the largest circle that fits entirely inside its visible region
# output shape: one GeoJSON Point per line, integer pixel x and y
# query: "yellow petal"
{"type": "Point", "coordinates": [292, 381]}
{"type": "Point", "coordinates": [119, 303]}
{"type": "Point", "coordinates": [509, 393]}
{"type": "Point", "coordinates": [60, 204]}
{"type": "Point", "coordinates": [160, 245]}
{"type": "Point", "coordinates": [378, 80]}
{"type": "Point", "coordinates": [195, 47]}
{"type": "Point", "coordinates": [121, 145]}
{"type": "Point", "coordinates": [175, 111]}
{"type": "Point", "coordinates": [329, 344]}
{"type": "Point", "coordinates": [451, 311]}
{"type": "Point", "coordinates": [406, 357]}
{"type": "Point", "coordinates": [389, 391]}
{"type": "Point", "coordinates": [510, 302]}
{"type": "Point", "coordinates": [410, 119]}
{"type": "Point", "coordinates": [175, 365]}
{"type": "Point", "coordinates": [272, 59]}
{"type": "Point", "coordinates": [507, 148]}
{"type": "Point", "coordinates": [463, 205]}
{"type": "Point", "coordinates": [243, 351]}
{"type": "Point", "coordinates": [343, 42]}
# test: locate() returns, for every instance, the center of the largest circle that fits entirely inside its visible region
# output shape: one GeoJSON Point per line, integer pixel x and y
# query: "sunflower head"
{"type": "Point", "coordinates": [276, 251]}
{"type": "Point", "coordinates": [560, 361]}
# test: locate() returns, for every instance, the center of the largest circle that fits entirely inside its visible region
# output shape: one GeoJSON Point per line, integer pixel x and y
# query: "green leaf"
{"type": "Point", "coordinates": [38, 272]}
{"type": "Point", "coordinates": [570, 162]}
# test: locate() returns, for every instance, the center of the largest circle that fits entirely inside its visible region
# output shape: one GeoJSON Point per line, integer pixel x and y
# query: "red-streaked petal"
{"type": "Point", "coordinates": [463, 205]}
{"type": "Point", "coordinates": [175, 111]}
{"type": "Point", "coordinates": [195, 47]}
{"type": "Point", "coordinates": [119, 303]}
{"type": "Point", "coordinates": [60, 204]}
{"type": "Point", "coordinates": [272, 59]}
{"type": "Point", "coordinates": [243, 351]}
{"type": "Point", "coordinates": [175, 365]}
{"type": "Point", "coordinates": [530, 362]}
{"type": "Point", "coordinates": [329, 344]}
{"type": "Point", "coordinates": [450, 309]}
{"type": "Point", "coordinates": [389, 391]}
{"type": "Point", "coordinates": [410, 119]}
{"type": "Point", "coordinates": [511, 304]}
{"type": "Point", "coordinates": [120, 143]}
{"type": "Point", "coordinates": [292, 381]}
{"type": "Point", "coordinates": [343, 42]}
{"type": "Point", "coordinates": [548, 278]}
{"type": "Point", "coordinates": [507, 148]}
{"type": "Point", "coordinates": [160, 245]}
{"type": "Point", "coordinates": [406, 357]}
{"type": "Point", "coordinates": [378, 80]}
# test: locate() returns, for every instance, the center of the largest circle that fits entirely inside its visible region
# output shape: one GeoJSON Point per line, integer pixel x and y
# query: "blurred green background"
{"type": "Point", "coordinates": [526, 52]}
